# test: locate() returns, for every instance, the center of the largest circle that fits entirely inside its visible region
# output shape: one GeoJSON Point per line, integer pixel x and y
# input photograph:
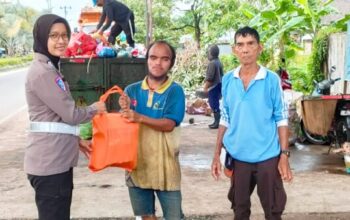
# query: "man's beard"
{"type": "Point", "coordinates": [157, 78]}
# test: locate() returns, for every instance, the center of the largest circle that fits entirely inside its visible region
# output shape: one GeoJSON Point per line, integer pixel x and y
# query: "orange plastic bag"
{"type": "Point", "coordinates": [114, 140]}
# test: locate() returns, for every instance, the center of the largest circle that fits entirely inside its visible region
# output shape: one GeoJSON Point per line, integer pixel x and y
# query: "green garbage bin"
{"type": "Point", "coordinates": [90, 78]}
{"type": "Point", "coordinates": [86, 78]}
{"type": "Point", "coordinates": [123, 72]}
{"type": "Point", "coordinates": [84, 73]}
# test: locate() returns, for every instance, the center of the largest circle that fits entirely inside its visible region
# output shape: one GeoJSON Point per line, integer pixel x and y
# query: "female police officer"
{"type": "Point", "coordinates": [53, 147]}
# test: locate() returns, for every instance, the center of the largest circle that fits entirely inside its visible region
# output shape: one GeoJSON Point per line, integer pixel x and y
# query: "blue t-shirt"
{"type": "Point", "coordinates": [168, 101]}
{"type": "Point", "coordinates": [252, 116]}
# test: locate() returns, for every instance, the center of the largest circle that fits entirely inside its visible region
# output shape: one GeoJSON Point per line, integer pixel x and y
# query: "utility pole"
{"type": "Point", "coordinates": [49, 6]}
{"type": "Point", "coordinates": [149, 22]}
{"type": "Point", "coordinates": [65, 9]}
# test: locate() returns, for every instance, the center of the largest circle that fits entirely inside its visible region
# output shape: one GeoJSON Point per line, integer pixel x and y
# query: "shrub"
{"type": "Point", "coordinates": [15, 61]}
{"type": "Point", "coordinates": [190, 67]}
{"type": "Point", "coordinates": [229, 62]}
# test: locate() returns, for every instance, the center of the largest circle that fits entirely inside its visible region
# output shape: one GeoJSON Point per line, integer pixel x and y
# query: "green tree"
{"type": "Point", "coordinates": [191, 22]}
{"type": "Point", "coordinates": [16, 29]}
{"type": "Point", "coordinates": [162, 21]}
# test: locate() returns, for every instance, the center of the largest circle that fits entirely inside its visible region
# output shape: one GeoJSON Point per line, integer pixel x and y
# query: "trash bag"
{"type": "Point", "coordinates": [106, 52]}
{"type": "Point", "coordinates": [81, 44]}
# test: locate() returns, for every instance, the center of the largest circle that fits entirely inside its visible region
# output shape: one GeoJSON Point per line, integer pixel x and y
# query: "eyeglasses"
{"type": "Point", "coordinates": [56, 36]}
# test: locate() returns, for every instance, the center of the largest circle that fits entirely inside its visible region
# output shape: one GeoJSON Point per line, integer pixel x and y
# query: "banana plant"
{"type": "Point", "coordinates": [283, 22]}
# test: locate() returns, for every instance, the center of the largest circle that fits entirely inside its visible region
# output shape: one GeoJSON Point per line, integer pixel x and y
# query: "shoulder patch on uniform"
{"type": "Point", "coordinates": [60, 83]}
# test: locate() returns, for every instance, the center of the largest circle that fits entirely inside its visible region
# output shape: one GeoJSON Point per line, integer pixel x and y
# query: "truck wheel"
{"type": "Point", "coordinates": [313, 138]}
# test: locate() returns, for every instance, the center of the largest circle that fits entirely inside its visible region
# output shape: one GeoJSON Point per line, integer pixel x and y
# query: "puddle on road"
{"type": "Point", "coordinates": [303, 158]}
{"type": "Point", "coordinates": [316, 158]}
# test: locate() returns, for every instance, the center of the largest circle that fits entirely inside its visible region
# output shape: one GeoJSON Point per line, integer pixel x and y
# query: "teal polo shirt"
{"type": "Point", "coordinates": [168, 101]}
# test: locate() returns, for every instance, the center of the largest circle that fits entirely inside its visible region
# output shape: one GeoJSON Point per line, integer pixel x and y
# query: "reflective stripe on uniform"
{"type": "Point", "coordinates": [53, 127]}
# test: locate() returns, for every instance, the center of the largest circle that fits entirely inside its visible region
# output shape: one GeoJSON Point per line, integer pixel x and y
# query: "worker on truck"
{"type": "Point", "coordinates": [121, 15]}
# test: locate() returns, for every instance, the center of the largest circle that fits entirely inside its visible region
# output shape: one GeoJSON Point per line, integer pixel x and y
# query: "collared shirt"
{"type": "Point", "coordinates": [168, 101]}
{"type": "Point", "coordinates": [158, 164]}
{"type": "Point", "coordinates": [49, 100]}
{"type": "Point", "coordinates": [252, 115]}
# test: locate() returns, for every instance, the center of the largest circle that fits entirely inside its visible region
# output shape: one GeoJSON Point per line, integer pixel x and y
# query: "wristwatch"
{"type": "Point", "coordinates": [286, 152]}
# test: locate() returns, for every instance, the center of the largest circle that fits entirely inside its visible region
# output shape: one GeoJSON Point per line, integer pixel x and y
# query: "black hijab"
{"type": "Point", "coordinates": [41, 33]}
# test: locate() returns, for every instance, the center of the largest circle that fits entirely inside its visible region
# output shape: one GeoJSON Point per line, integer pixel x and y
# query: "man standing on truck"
{"type": "Point", "coordinates": [121, 15]}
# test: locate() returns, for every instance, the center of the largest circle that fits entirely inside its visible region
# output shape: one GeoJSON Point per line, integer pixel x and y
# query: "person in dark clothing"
{"type": "Point", "coordinates": [123, 18]}
{"type": "Point", "coordinates": [212, 84]}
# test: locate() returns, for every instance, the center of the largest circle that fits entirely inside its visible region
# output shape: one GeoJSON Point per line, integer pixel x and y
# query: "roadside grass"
{"type": "Point", "coordinates": [12, 62]}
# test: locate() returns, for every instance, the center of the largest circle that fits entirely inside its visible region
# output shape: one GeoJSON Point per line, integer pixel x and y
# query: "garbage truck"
{"type": "Point", "coordinates": [89, 18]}
{"type": "Point", "coordinates": [90, 78]}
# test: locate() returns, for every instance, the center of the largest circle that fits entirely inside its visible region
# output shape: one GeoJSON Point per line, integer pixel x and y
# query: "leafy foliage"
{"type": "Point", "coordinates": [16, 24]}
{"type": "Point", "coordinates": [162, 21]}
{"type": "Point", "coordinates": [190, 67]}
{"type": "Point", "coordinates": [298, 73]}
{"type": "Point", "coordinates": [229, 62]}
{"type": "Point", "coordinates": [15, 61]}
{"type": "Point", "coordinates": [318, 57]}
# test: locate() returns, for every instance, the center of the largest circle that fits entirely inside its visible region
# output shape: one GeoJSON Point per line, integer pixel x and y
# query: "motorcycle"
{"type": "Point", "coordinates": [339, 131]}
{"type": "Point", "coordinates": [285, 81]}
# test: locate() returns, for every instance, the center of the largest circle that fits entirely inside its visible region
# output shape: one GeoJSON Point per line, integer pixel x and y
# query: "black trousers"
{"type": "Point", "coordinates": [128, 28]}
{"type": "Point", "coordinates": [269, 184]}
{"type": "Point", "coordinates": [53, 195]}
{"type": "Point", "coordinates": [214, 97]}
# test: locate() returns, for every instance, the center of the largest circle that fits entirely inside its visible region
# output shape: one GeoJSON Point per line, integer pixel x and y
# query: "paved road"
{"type": "Point", "coordinates": [12, 96]}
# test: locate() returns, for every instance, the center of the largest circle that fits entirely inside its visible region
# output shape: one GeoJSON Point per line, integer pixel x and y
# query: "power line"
{"type": "Point", "coordinates": [65, 9]}
{"type": "Point", "coordinates": [49, 5]}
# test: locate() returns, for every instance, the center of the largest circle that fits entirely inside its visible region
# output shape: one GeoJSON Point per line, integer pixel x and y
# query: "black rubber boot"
{"type": "Point", "coordinates": [215, 125]}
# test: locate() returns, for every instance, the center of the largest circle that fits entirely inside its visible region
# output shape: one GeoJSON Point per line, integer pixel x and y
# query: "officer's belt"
{"type": "Point", "coordinates": [53, 127]}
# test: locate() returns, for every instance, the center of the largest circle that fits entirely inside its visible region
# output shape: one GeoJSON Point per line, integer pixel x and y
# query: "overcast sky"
{"type": "Point", "coordinates": [73, 7]}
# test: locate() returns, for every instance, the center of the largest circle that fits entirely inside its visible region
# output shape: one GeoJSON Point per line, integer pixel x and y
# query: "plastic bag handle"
{"type": "Point", "coordinates": [114, 89]}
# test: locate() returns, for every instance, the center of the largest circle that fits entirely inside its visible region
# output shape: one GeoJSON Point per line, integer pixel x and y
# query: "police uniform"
{"type": "Point", "coordinates": [52, 148]}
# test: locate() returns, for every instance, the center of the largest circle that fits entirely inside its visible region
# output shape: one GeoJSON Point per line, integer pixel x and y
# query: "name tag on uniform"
{"type": "Point", "coordinates": [60, 83]}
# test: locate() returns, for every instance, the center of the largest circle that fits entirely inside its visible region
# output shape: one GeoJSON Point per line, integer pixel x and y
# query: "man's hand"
{"type": "Point", "coordinates": [93, 31]}
{"type": "Point", "coordinates": [132, 116]}
{"type": "Point", "coordinates": [124, 102]}
{"type": "Point", "coordinates": [206, 87]}
{"type": "Point", "coordinates": [284, 168]}
{"type": "Point", "coordinates": [85, 147]}
{"type": "Point", "coordinates": [216, 167]}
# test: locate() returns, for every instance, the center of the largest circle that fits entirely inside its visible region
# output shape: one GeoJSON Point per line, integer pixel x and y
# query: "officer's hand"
{"type": "Point", "coordinates": [124, 102]}
{"type": "Point", "coordinates": [216, 167]}
{"type": "Point", "coordinates": [85, 147]}
{"type": "Point", "coordinates": [101, 107]}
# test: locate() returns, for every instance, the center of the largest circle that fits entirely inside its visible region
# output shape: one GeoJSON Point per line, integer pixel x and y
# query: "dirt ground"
{"type": "Point", "coordinates": [320, 190]}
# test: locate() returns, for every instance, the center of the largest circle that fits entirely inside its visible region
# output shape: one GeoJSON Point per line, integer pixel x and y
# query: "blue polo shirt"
{"type": "Point", "coordinates": [252, 116]}
{"type": "Point", "coordinates": [168, 101]}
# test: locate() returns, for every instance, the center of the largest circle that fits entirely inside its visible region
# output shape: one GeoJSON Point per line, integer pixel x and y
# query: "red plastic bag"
{"type": "Point", "coordinates": [81, 44]}
{"type": "Point", "coordinates": [114, 139]}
